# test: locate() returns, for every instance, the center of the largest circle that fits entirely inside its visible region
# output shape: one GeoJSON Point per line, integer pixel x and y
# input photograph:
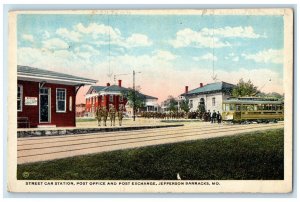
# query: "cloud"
{"type": "Point", "coordinates": [98, 30]}
{"type": "Point", "coordinates": [208, 56]}
{"type": "Point", "coordinates": [71, 35]}
{"type": "Point", "coordinates": [46, 34]}
{"type": "Point", "coordinates": [164, 55]}
{"type": "Point", "coordinates": [55, 43]}
{"type": "Point", "coordinates": [235, 59]}
{"type": "Point", "coordinates": [86, 51]}
{"type": "Point", "coordinates": [240, 32]}
{"type": "Point", "coordinates": [27, 37]}
{"type": "Point", "coordinates": [266, 56]}
{"type": "Point", "coordinates": [212, 38]}
{"type": "Point", "coordinates": [136, 40]}
{"type": "Point", "coordinates": [103, 35]}
{"type": "Point", "coordinates": [189, 37]}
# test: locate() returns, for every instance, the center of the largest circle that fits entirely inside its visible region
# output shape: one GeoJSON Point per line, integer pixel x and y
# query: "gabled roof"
{"type": "Point", "coordinates": [211, 87]}
{"type": "Point", "coordinates": [148, 96]}
{"type": "Point", "coordinates": [114, 88]}
{"type": "Point", "coordinates": [36, 74]}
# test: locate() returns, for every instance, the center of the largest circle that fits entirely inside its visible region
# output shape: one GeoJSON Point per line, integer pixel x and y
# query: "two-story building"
{"type": "Point", "coordinates": [99, 96]}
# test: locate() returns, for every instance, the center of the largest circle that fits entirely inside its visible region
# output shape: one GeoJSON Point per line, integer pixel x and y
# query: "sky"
{"type": "Point", "coordinates": [169, 51]}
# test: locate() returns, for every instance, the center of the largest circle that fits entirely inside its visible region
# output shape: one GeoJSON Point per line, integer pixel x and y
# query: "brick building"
{"type": "Point", "coordinates": [99, 96]}
{"type": "Point", "coordinates": [47, 98]}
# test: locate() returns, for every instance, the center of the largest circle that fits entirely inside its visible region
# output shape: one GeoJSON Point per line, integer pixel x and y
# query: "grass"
{"type": "Point", "coordinates": [85, 119]}
{"type": "Point", "coordinates": [251, 156]}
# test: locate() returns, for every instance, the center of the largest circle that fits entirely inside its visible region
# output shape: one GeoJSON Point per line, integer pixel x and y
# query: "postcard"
{"type": "Point", "coordinates": [151, 101]}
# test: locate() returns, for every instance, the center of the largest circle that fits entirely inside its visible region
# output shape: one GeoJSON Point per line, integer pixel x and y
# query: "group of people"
{"type": "Point", "coordinates": [214, 117]}
{"type": "Point", "coordinates": [101, 114]}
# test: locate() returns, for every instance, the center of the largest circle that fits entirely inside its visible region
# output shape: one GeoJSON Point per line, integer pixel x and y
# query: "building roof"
{"type": "Point", "coordinates": [36, 74]}
{"type": "Point", "coordinates": [148, 96]}
{"type": "Point", "coordinates": [211, 87]}
{"type": "Point", "coordinates": [115, 88]}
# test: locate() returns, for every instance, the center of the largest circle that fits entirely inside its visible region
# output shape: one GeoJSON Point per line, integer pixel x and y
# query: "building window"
{"type": "Point", "coordinates": [60, 100]}
{"type": "Point", "coordinates": [213, 101]}
{"type": "Point", "coordinates": [111, 98]}
{"type": "Point", "coordinates": [70, 103]}
{"type": "Point", "coordinates": [121, 98]}
{"type": "Point", "coordinates": [19, 98]}
{"type": "Point", "coordinates": [191, 103]}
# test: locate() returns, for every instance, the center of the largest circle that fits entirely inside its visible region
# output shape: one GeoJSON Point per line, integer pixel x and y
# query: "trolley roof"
{"type": "Point", "coordinates": [252, 100]}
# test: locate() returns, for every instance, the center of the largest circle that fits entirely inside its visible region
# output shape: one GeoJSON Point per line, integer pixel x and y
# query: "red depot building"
{"type": "Point", "coordinates": [47, 98]}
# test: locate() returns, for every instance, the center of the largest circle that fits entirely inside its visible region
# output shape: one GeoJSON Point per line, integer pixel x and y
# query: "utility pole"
{"type": "Point", "coordinates": [133, 95]}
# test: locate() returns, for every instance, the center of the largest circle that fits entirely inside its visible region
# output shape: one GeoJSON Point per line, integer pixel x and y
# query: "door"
{"type": "Point", "coordinates": [44, 105]}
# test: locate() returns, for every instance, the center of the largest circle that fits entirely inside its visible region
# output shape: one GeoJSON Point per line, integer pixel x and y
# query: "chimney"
{"type": "Point", "coordinates": [186, 89]}
{"type": "Point", "coordinates": [107, 84]}
{"type": "Point", "coordinates": [201, 85]}
{"type": "Point", "coordinates": [120, 83]}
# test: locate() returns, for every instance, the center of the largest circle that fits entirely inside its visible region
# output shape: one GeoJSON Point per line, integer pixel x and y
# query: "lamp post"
{"type": "Point", "coordinates": [134, 94]}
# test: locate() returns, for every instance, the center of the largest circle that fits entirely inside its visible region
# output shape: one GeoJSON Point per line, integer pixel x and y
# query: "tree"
{"type": "Point", "coordinates": [244, 89]}
{"type": "Point", "coordinates": [184, 105]}
{"type": "Point", "coordinates": [172, 105]}
{"type": "Point", "coordinates": [271, 95]}
{"type": "Point", "coordinates": [135, 99]}
{"type": "Point", "coordinates": [201, 107]}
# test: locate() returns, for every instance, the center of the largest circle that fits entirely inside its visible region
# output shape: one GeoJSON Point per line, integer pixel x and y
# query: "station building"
{"type": "Point", "coordinates": [210, 95]}
{"type": "Point", "coordinates": [47, 98]}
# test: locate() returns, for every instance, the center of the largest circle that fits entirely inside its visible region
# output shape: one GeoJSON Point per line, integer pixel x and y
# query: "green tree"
{"type": "Point", "coordinates": [172, 105]}
{"type": "Point", "coordinates": [201, 107]}
{"type": "Point", "coordinates": [135, 99]}
{"type": "Point", "coordinates": [184, 105]}
{"type": "Point", "coordinates": [244, 89]}
{"type": "Point", "coordinates": [271, 95]}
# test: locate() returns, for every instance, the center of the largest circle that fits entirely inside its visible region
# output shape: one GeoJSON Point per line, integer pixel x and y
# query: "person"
{"type": "Point", "coordinates": [98, 115]}
{"type": "Point", "coordinates": [213, 117]}
{"type": "Point", "coordinates": [219, 117]}
{"type": "Point", "coordinates": [120, 114]}
{"type": "Point", "coordinates": [208, 116]}
{"type": "Point", "coordinates": [104, 114]}
{"type": "Point", "coordinates": [112, 115]}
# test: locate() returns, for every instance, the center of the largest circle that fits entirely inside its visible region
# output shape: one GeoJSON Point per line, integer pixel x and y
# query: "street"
{"type": "Point", "coordinates": [36, 149]}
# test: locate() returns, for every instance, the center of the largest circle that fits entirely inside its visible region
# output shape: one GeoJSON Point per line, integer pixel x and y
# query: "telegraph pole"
{"type": "Point", "coordinates": [133, 95]}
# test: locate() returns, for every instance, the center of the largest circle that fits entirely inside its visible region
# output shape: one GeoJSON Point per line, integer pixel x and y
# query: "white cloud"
{"type": "Point", "coordinates": [208, 56]}
{"type": "Point", "coordinates": [212, 38]}
{"type": "Point", "coordinates": [188, 37]}
{"type": "Point", "coordinates": [241, 32]}
{"type": "Point", "coordinates": [86, 51]}
{"type": "Point", "coordinates": [137, 40]}
{"type": "Point", "coordinates": [97, 30]}
{"type": "Point", "coordinates": [55, 43]}
{"type": "Point", "coordinates": [164, 55]}
{"type": "Point", "coordinates": [103, 34]}
{"type": "Point", "coordinates": [71, 35]}
{"type": "Point", "coordinates": [266, 56]}
{"type": "Point", "coordinates": [27, 37]}
{"type": "Point", "coordinates": [46, 34]}
{"type": "Point", "coordinates": [235, 59]}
